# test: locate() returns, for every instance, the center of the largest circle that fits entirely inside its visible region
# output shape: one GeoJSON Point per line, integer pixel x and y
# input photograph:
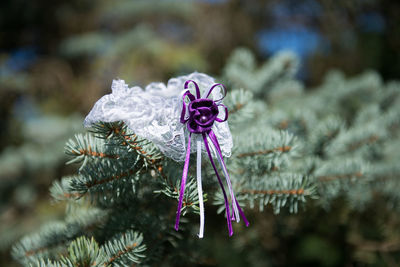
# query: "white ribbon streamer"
{"type": "Point", "coordinates": [228, 181]}
{"type": "Point", "coordinates": [199, 188]}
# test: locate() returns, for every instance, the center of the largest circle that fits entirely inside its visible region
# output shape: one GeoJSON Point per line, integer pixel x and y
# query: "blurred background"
{"type": "Point", "coordinates": [58, 57]}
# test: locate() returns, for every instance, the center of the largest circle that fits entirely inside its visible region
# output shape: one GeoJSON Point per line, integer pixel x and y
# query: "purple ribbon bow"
{"type": "Point", "coordinates": [203, 112]}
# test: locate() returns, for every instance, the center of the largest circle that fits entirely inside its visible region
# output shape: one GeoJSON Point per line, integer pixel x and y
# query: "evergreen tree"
{"type": "Point", "coordinates": [292, 147]}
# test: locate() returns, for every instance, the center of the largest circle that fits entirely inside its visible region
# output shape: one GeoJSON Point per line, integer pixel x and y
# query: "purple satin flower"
{"type": "Point", "coordinates": [203, 112]}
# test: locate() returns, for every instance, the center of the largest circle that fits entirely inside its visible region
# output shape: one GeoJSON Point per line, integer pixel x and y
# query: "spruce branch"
{"type": "Point", "coordinates": [241, 70]}
{"type": "Point", "coordinates": [323, 133]}
{"type": "Point", "coordinates": [265, 152]}
{"type": "Point", "coordinates": [87, 146]}
{"type": "Point", "coordinates": [124, 249]}
{"type": "Point", "coordinates": [278, 190]}
{"type": "Point", "coordinates": [122, 136]}
{"type": "Point", "coordinates": [62, 191]}
{"type": "Point", "coordinates": [52, 237]}
{"type": "Point", "coordinates": [240, 107]}
{"type": "Point", "coordinates": [46, 263]}
{"type": "Point", "coordinates": [190, 199]}
{"type": "Point", "coordinates": [350, 169]}
{"type": "Point", "coordinates": [83, 252]}
{"type": "Point", "coordinates": [96, 175]}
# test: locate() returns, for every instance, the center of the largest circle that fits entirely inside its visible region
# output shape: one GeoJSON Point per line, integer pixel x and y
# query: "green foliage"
{"type": "Point", "coordinates": [123, 249]}
{"type": "Point", "coordinates": [241, 70]}
{"type": "Point", "coordinates": [291, 147]}
{"type": "Point", "coordinates": [52, 237]}
{"type": "Point", "coordinates": [83, 252]}
{"type": "Point", "coordinates": [28, 168]}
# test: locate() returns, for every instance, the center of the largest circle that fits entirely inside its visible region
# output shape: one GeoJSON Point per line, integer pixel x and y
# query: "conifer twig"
{"type": "Point", "coordinates": [274, 192]}
{"type": "Point", "coordinates": [267, 151]}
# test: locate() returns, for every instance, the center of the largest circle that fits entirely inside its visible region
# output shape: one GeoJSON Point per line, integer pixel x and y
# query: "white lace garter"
{"type": "Point", "coordinates": [154, 113]}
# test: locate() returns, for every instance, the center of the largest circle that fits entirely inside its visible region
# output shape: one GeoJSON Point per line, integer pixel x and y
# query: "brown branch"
{"type": "Point", "coordinates": [370, 140]}
{"type": "Point", "coordinates": [132, 142]}
{"type": "Point", "coordinates": [264, 152]}
{"type": "Point", "coordinates": [109, 179]}
{"type": "Point", "coordinates": [90, 152]}
{"type": "Point", "coordinates": [113, 129]}
{"type": "Point", "coordinates": [120, 253]}
{"type": "Point", "coordinates": [283, 124]}
{"type": "Point", "coordinates": [242, 171]}
{"type": "Point", "coordinates": [339, 176]}
{"type": "Point", "coordinates": [187, 204]}
{"type": "Point", "coordinates": [236, 108]}
{"type": "Point", "coordinates": [184, 202]}
{"type": "Point", "coordinates": [274, 192]}
{"type": "Point", "coordinates": [85, 229]}
{"type": "Point", "coordinates": [35, 251]}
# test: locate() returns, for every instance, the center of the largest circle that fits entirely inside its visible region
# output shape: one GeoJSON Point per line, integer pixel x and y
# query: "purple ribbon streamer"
{"type": "Point", "coordinates": [183, 184]}
{"type": "Point", "coordinates": [228, 216]}
{"type": "Point", "coordinates": [202, 114]}
{"type": "Point", "coordinates": [234, 200]}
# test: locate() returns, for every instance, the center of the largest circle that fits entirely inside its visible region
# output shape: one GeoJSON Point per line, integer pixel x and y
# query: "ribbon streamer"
{"type": "Point", "coordinates": [203, 112]}
{"type": "Point", "coordinates": [199, 189]}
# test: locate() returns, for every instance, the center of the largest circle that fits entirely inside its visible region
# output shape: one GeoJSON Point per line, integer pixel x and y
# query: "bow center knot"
{"type": "Point", "coordinates": [202, 114]}
{"type": "Point", "coordinates": [203, 119]}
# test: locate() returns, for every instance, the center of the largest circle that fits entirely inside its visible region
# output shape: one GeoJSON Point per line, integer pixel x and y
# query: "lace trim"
{"type": "Point", "coordinates": [153, 113]}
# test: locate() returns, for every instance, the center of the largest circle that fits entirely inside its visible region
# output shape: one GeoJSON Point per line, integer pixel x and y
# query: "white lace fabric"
{"type": "Point", "coordinates": [154, 113]}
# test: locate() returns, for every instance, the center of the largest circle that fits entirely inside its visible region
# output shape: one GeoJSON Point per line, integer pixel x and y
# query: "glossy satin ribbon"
{"type": "Point", "coordinates": [203, 112]}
